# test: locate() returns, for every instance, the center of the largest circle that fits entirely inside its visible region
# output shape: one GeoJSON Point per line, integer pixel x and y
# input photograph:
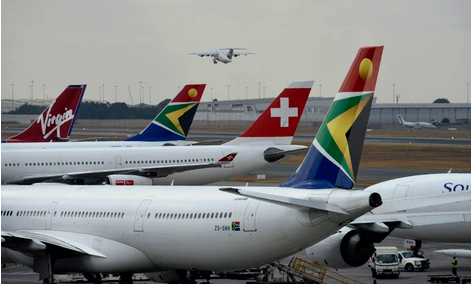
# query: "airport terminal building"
{"type": "Point", "coordinates": [316, 108]}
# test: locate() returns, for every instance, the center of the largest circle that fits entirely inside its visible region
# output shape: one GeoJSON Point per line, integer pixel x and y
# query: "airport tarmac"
{"type": "Point", "coordinates": [439, 265]}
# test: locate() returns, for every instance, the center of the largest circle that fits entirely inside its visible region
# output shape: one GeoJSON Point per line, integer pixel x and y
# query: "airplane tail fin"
{"type": "Point", "coordinates": [56, 121]}
{"type": "Point", "coordinates": [231, 53]}
{"type": "Point", "coordinates": [334, 156]}
{"type": "Point", "coordinates": [278, 123]}
{"type": "Point", "coordinates": [401, 120]}
{"type": "Point", "coordinates": [174, 121]}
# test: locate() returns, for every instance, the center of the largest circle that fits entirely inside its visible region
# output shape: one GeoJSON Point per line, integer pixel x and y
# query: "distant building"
{"type": "Point", "coordinates": [316, 109]}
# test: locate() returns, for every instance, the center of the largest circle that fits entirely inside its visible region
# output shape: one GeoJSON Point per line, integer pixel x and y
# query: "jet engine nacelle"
{"type": "Point", "coordinates": [128, 180]}
{"type": "Point", "coordinates": [345, 249]}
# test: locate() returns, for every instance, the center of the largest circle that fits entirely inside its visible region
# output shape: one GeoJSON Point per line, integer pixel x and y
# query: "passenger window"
{"type": "Point", "coordinates": [230, 215]}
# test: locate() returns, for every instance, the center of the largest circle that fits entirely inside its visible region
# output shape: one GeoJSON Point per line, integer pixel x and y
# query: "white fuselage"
{"type": "Point", "coordinates": [16, 163]}
{"type": "Point", "coordinates": [146, 229]}
{"type": "Point", "coordinates": [223, 56]}
{"type": "Point", "coordinates": [418, 125]}
{"type": "Point", "coordinates": [440, 221]}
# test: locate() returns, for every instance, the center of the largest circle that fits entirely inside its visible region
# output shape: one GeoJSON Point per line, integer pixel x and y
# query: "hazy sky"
{"type": "Point", "coordinates": [427, 52]}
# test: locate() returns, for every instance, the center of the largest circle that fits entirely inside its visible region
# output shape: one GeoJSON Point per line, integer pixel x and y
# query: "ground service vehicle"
{"type": "Point", "coordinates": [410, 262]}
{"type": "Point", "coordinates": [385, 262]}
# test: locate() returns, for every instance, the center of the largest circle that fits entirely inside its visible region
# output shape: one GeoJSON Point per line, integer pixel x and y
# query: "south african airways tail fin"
{"type": "Point", "coordinates": [55, 123]}
{"type": "Point", "coordinates": [278, 123]}
{"type": "Point", "coordinates": [334, 156]}
{"type": "Point", "coordinates": [174, 121]}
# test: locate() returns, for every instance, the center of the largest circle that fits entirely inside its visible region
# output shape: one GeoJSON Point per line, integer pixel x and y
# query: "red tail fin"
{"type": "Point", "coordinates": [278, 123]}
{"type": "Point", "coordinates": [56, 121]}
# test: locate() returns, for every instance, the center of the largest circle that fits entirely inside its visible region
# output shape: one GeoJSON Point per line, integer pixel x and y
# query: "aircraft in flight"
{"type": "Point", "coordinates": [266, 141]}
{"type": "Point", "coordinates": [55, 123]}
{"type": "Point", "coordinates": [223, 55]}
{"type": "Point", "coordinates": [408, 124]}
{"type": "Point", "coordinates": [170, 230]}
{"type": "Point", "coordinates": [434, 208]}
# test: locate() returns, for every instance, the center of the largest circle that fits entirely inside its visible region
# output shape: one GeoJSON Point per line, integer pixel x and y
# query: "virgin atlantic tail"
{"type": "Point", "coordinates": [278, 123]}
{"type": "Point", "coordinates": [334, 156]}
{"type": "Point", "coordinates": [174, 121]}
{"type": "Point", "coordinates": [56, 121]}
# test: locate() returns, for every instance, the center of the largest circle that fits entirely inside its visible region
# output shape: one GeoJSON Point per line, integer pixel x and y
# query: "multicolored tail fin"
{"type": "Point", "coordinates": [278, 123]}
{"type": "Point", "coordinates": [230, 53]}
{"type": "Point", "coordinates": [56, 121]}
{"type": "Point", "coordinates": [334, 156]}
{"type": "Point", "coordinates": [174, 121]}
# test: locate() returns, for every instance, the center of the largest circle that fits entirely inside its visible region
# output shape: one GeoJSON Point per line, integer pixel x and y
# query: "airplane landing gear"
{"type": "Point", "coordinates": [95, 279]}
{"type": "Point", "coordinates": [125, 279]}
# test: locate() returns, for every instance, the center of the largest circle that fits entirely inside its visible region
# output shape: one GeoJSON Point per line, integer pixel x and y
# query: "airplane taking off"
{"type": "Point", "coordinates": [169, 128]}
{"type": "Point", "coordinates": [56, 121]}
{"type": "Point", "coordinates": [433, 208]}
{"type": "Point", "coordinates": [266, 141]}
{"type": "Point", "coordinates": [408, 124]}
{"type": "Point", "coordinates": [223, 55]}
{"type": "Point", "coordinates": [168, 231]}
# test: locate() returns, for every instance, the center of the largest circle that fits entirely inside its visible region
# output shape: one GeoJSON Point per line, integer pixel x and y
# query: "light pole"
{"type": "Point", "coordinates": [44, 94]}
{"type": "Point", "coordinates": [467, 93]}
{"type": "Point", "coordinates": [259, 89]}
{"type": "Point", "coordinates": [150, 95]}
{"type": "Point", "coordinates": [100, 95]}
{"type": "Point", "coordinates": [32, 91]}
{"type": "Point", "coordinates": [246, 92]}
{"type": "Point", "coordinates": [320, 90]}
{"type": "Point", "coordinates": [115, 94]}
{"type": "Point", "coordinates": [140, 93]}
{"type": "Point", "coordinates": [393, 92]}
{"type": "Point", "coordinates": [211, 93]}
{"type": "Point", "coordinates": [263, 91]}
{"type": "Point", "coordinates": [228, 86]}
{"type": "Point", "coordinates": [12, 92]}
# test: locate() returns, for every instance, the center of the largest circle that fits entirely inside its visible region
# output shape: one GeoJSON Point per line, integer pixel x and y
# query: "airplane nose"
{"type": "Point", "coordinates": [375, 200]}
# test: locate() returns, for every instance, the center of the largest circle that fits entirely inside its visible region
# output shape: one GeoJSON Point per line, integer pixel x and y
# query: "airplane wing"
{"type": "Point", "coordinates": [29, 242]}
{"type": "Point", "coordinates": [205, 53]}
{"type": "Point", "coordinates": [151, 171]}
{"type": "Point", "coordinates": [405, 217]}
{"type": "Point", "coordinates": [238, 53]}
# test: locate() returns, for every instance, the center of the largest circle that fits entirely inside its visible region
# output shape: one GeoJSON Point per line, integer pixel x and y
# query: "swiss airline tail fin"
{"type": "Point", "coordinates": [56, 121]}
{"type": "Point", "coordinates": [334, 156]}
{"type": "Point", "coordinates": [174, 121]}
{"type": "Point", "coordinates": [278, 123]}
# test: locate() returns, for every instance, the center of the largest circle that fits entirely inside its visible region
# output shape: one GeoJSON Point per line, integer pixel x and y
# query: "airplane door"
{"type": "Point", "coordinates": [249, 216]}
{"type": "Point", "coordinates": [228, 165]}
{"type": "Point", "coordinates": [140, 215]}
{"type": "Point", "coordinates": [401, 191]}
{"type": "Point", "coordinates": [50, 212]}
{"type": "Point", "coordinates": [119, 164]}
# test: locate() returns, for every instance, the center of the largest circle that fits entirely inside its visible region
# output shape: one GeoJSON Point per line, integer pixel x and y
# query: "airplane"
{"type": "Point", "coordinates": [169, 128]}
{"type": "Point", "coordinates": [223, 55]}
{"type": "Point", "coordinates": [266, 141]}
{"type": "Point", "coordinates": [408, 124]}
{"type": "Point", "coordinates": [55, 123]}
{"type": "Point", "coordinates": [170, 232]}
{"type": "Point", "coordinates": [433, 208]}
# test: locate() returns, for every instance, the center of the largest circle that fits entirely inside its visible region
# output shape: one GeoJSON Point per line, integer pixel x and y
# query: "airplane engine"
{"type": "Point", "coordinates": [128, 180]}
{"type": "Point", "coordinates": [345, 249]}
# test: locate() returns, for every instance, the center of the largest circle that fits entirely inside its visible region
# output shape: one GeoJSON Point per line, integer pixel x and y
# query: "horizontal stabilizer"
{"type": "Point", "coordinates": [288, 201]}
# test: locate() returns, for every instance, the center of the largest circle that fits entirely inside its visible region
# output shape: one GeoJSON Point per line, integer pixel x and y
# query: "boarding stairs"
{"type": "Point", "coordinates": [313, 273]}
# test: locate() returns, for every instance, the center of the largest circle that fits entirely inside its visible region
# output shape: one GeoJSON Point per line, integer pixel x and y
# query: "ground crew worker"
{"type": "Point", "coordinates": [454, 266]}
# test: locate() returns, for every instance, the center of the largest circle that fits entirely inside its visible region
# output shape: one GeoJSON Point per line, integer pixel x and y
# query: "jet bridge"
{"type": "Point", "coordinates": [313, 273]}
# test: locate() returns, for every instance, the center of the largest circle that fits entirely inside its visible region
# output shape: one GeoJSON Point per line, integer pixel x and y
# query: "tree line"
{"type": "Point", "coordinates": [95, 110]}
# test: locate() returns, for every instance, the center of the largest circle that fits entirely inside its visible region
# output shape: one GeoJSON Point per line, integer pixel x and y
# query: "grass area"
{"type": "Point", "coordinates": [412, 156]}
